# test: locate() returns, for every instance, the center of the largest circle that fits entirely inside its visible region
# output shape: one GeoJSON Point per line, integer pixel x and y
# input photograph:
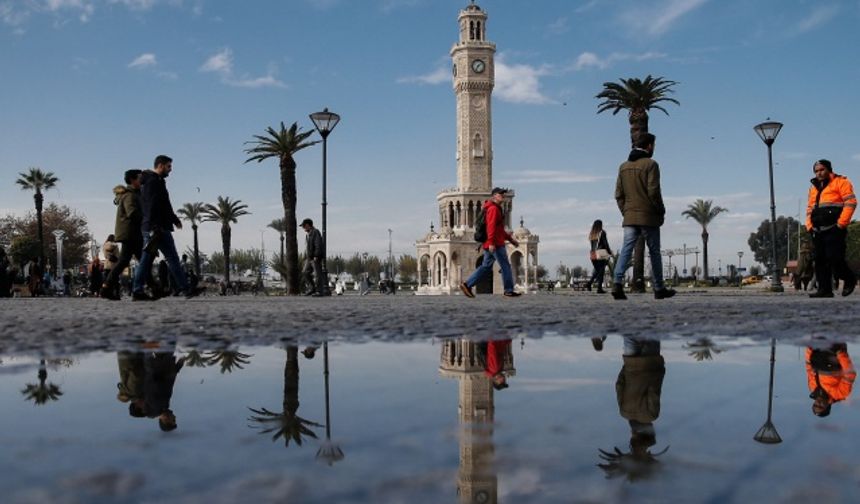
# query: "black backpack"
{"type": "Point", "coordinates": [481, 227]}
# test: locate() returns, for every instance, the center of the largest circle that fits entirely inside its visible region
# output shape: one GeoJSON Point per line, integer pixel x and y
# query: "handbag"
{"type": "Point", "coordinates": [602, 254]}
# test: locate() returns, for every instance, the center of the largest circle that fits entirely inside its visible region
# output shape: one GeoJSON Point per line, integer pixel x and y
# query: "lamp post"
{"type": "Point", "coordinates": [59, 234]}
{"type": "Point", "coordinates": [390, 260]}
{"type": "Point", "coordinates": [767, 434]}
{"type": "Point", "coordinates": [768, 131]}
{"type": "Point", "coordinates": [324, 122]}
{"type": "Point", "coordinates": [329, 452]}
{"type": "Point", "coordinates": [740, 255]}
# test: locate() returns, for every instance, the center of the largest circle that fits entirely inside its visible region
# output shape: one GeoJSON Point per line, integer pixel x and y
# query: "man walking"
{"type": "Point", "coordinates": [494, 247]}
{"type": "Point", "coordinates": [314, 251]}
{"type": "Point", "coordinates": [126, 230]}
{"type": "Point", "coordinates": [157, 228]}
{"type": "Point", "coordinates": [637, 192]}
{"type": "Point", "coordinates": [828, 213]}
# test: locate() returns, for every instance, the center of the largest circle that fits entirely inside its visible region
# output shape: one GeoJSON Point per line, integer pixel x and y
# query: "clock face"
{"type": "Point", "coordinates": [478, 66]}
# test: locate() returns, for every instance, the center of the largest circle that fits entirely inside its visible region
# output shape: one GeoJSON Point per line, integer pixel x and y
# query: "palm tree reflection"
{"type": "Point", "coordinates": [287, 424]}
{"type": "Point", "coordinates": [638, 389]}
{"type": "Point", "coordinates": [227, 359]}
{"type": "Point", "coordinates": [44, 391]}
{"type": "Point", "coordinates": [702, 349]}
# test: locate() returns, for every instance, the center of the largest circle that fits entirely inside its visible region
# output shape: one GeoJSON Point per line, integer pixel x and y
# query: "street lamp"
{"type": "Point", "coordinates": [324, 122]}
{"type": "Point", "coordinates": [740, 254]}
{"type": "Point", "coordinates": [768, 131]}
{"type": "Point", "coordinates": [59, 234]}
{"type": "Point", "coordinates": [767, 434]}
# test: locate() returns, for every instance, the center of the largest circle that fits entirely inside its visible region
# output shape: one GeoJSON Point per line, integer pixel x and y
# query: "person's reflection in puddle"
{"type": "Point", "coordinates": [481, 368]}
{"type": "Point", "coordinates": [130, 386]}
{"type": "Point", "coordinates": [638, 390]}
{"type": "Point", "coordinates": [830, 375]}
{"type": "Point", "coordinates": [160, 370]}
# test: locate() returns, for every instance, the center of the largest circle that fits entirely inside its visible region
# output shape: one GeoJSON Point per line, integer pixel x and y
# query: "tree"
{"type": "Point", "coordinates": [287, 424]}
{"type": "Point", "coordinates": [226, 212]}
{"type": "Point", "coordinates": [283, 144]}
{"type": "Point", "coordinates": [637, 97]}
{"type": "Point", "coordinates": [194, 213]}
{"type": "Point", "coordinates": [542, 272]}
{"type": "Point", "coordinates": [242, 260]}
{"type": "Point", "coordinates": [407, 268]}
{"type": "Point", "coordinates": [21, 233]}
{"type": "Point", "coordinates": [38, 181]}
{"type": "Point", "coordinates": [578, 271]}
{"type": "Point", "coordinates": [755, 270]}
{"type": "Point", "coordinates": [227, 360]}
{"type": "Point", "coordinates": [703, 212]}
{"type": "Point", "coordinates": [44, 391]}
{"type": "Point", "coordinates": [786, 235]}
{"type": "Point", "coordinates": [562, 272]}
{"type": "Point", "coordinates": [280, 225]}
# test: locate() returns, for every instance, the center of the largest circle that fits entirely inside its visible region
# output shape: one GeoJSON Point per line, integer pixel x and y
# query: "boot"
{"type": "Point", "coordinates": [618, 292]}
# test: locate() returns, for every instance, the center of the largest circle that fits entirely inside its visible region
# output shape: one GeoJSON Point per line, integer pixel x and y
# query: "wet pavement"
{"type": "Point", "coordinates": [421, 421]}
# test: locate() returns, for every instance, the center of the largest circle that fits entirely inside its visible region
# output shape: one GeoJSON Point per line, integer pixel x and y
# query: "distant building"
{"type": "Point", "coordinates": [448, 255]}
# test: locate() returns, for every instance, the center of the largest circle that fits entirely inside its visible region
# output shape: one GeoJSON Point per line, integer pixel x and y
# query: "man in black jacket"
{"type": "Point", "coordinates": [157, 227]}
{"type": "Point", "coordinates": [314, 251]}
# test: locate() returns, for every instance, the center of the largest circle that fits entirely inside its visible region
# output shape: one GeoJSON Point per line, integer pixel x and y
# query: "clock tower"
{"type": "Point", "coordinates": [449, 253]}
{"type": "Point", "coordinates": [474, 78]}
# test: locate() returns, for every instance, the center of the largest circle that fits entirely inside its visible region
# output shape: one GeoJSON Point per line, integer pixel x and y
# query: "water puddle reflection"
{"type": "Point", "coordinates": [446, 420]}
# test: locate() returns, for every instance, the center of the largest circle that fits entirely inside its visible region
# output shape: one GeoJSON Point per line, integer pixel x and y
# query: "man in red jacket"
{"type": "Point", "coordinates": [494, 246]}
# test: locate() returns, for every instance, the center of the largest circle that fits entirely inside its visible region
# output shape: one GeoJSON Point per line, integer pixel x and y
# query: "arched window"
{"type": "Point", "coordinates": [478, 146]}
{"type": "Point", "coordinates": [478, 33]}
{"type": "Point", "coordinates": [471, 30]}
{"type": "Point", "coordinates": [458, 214]}
{"type": "Point", "coordinates": [470, 215]}
{"type": "Point", "coordinates": [451, 220]}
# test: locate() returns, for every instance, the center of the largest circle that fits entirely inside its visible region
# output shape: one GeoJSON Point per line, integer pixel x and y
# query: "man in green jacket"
{"type": "Point", "coordinates": [637, 192]}
{"type": "Point", "coordinates": [126, 231]}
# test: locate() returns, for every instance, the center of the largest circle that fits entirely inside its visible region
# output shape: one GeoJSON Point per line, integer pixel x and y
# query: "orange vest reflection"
{"type": "Point", "coordinates": [832, 371]}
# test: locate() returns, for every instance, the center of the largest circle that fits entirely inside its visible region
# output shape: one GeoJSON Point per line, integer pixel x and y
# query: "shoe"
{"type": "Point", "coordinates": [821, 294]}
{"type": "Point", "coordinates": [140, 296]}
{"type": "Point", "coordinates": [466, 290]}
{"type": "Point", "coordinates": [588, 286]}
{"type": "Point", "coordinates": [107, 293]}
{"type": "Point", "coordinates": [664, 293]}
{"type": "Point", "coordinates": [618, 292]}
{"type": "Point", "coordinates": [597, 343]}
{"type": "Point", "coordinates": [600, 290]}
{"type": "Point", "coordinates": [192, 293]}
{"type": "Point", "coordinates": [513, 294]}
{"type": "Point", "coordinates": [317, 294]}
{"type": "Point", "coordinates": [849, 287]}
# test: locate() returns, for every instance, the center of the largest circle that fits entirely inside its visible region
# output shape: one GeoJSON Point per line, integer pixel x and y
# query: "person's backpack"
{"type": "Point", "coordinates": [481, 227]}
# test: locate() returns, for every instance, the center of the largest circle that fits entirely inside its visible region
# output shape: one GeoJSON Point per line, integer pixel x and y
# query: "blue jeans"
{"type": "Point", "coordinates": [637, 347]}
{"type": "Point", "coordinates": [168, 248]}
{"type": "Point", "coordinates": [486, 267]}
{"type": "Point", "coordinates": [652, 239]}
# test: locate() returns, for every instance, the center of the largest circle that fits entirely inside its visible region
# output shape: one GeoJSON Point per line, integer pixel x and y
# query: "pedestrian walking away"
{"type": "Point", "coordinates": [638, 194]}
{"type": "Point", "coordinates": [494, 246]}
{"type": "Point", "coordinates": [599, 255]}
{"type": "Point", "coordinates": [828, 212]}
{"type": "Point", "coordinates": [157, 226]}
{"type": "Point", "coordinates": [314, 250]}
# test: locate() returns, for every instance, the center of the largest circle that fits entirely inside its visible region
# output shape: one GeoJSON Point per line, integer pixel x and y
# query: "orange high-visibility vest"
{"type": "Point", "coordinates": [831, 205]}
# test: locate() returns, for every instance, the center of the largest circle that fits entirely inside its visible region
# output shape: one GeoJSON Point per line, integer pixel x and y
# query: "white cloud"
{"type": "Point", "coordinates": [547, 177]}
{"type": "Point", "coordinates": [856, 157]}
{"type": "Point", "coordinates": [592, 60]}
{"type": "Point", "coordinates": [143, 61]}
{"type": "Point", "coordinates": [221, 63]}
{"type": "Point", "coordinates": [657, 19]}
{"type": "Point", "coordinates": [520, 83]}
{"type": "Point", "coordinates": [819, 16]}
{"type": "Point", "coordinates": [559, 26]}
{"type": "Point", "coordinates": [439, 76]}
{"type": "Point", "coordinates": [135, 4]}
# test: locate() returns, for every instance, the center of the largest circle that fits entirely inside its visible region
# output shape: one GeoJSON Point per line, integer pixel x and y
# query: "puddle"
{"type": "Point", "coordinates": [422, 422]}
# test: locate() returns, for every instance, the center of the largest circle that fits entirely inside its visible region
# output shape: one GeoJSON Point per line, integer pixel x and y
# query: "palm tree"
{"type": "Point", "coordinates": [637, 97]}
{"type": "Point", "coordinates": [228, 359]}
{"type": "Point", "coordinates": [703, 212]}
{"type": "Point", "coordinates": [283, 144]}
{"type": "Point", "coordinates": [225, 212]}
{"type": "Point", "coordinates": [194, 213]}
{"type": "Point", "coordinates": [38, 181]}
{"type": "Point", "coordinates": [702, 349]}
{"type": "Point", "coordinates": [286, 424]}
{"type": "Point", "coordinates": [43, 392]}
{"type": "Point", "coordinates": [280, 225]}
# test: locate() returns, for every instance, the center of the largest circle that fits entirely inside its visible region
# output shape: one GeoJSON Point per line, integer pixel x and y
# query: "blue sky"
{"type": "Point", "coordinates": [90, 88]}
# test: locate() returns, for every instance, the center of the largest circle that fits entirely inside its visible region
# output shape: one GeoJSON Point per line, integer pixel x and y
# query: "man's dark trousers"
{"type": "Point", "coordinates": [830, 258]}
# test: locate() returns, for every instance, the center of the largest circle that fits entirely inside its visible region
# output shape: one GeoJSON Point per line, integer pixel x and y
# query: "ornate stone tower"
{"type": "Point", "coordinates": [477, 482]}
{"type": "Point", "coordinates": [446, 257]}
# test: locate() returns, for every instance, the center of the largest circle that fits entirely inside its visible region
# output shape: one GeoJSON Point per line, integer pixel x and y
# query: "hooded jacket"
{"type": "Point", "coordinates": [637, 191]}
{"type": "Point", "coordinates": [155, 201]}
{"type": "Point", "coordinates": [831, 203]}
{"type": "Point", "coordinates": [495, 219]}
{"type": "Point", "coordinates": [128, 213]}
{"type": "Point", "coordinates": [837, 378]}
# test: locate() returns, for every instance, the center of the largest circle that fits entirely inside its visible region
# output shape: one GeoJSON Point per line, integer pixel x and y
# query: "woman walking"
{"type": "Point", "coordinates": [600, 254]}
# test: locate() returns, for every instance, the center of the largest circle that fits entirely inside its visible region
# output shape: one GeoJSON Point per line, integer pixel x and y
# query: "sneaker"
{"type": "Point", "coordinates": [849, 287]}
{"type": "Point", "coordinates": [618, 292]}
{"type": "Point", "coordinates": [513, 294]}
{"type": "Point", "coordinates": [466, 290]}
{"type": "Point", "coordinates": [664, 293]}
{"type": "Point", "coordinates": [821, 294]}
{"type": "Point", "coordinates": [107, 293]}
{"type": "Point", "coordinates": [192, 293]}
{"type": "Point", "coordinates": [140, 296]}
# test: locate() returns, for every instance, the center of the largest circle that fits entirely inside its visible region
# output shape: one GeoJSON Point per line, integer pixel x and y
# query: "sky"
{"type": "Point", "coordinates": [91, 88]}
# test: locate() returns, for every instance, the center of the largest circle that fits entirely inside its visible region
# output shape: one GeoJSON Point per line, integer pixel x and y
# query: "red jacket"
{"type": "Point", "coordinates": [495, 219]}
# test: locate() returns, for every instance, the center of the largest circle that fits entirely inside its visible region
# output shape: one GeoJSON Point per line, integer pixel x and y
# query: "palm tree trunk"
{"type": "Point", "coordinates": [196, 252]}
{"type": "Point", "coordinates": [291, 381]}
{"type": "Point", "coordinates": [225, 244]}
{"type": "Point", "coordinates": [638, 124]}
{"type": "Point", "coordinates": [288, 198]}
{"type": "Point", "coordinates": [705, 253]}
{"type": "Point", "coordinates": [39, 200]}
